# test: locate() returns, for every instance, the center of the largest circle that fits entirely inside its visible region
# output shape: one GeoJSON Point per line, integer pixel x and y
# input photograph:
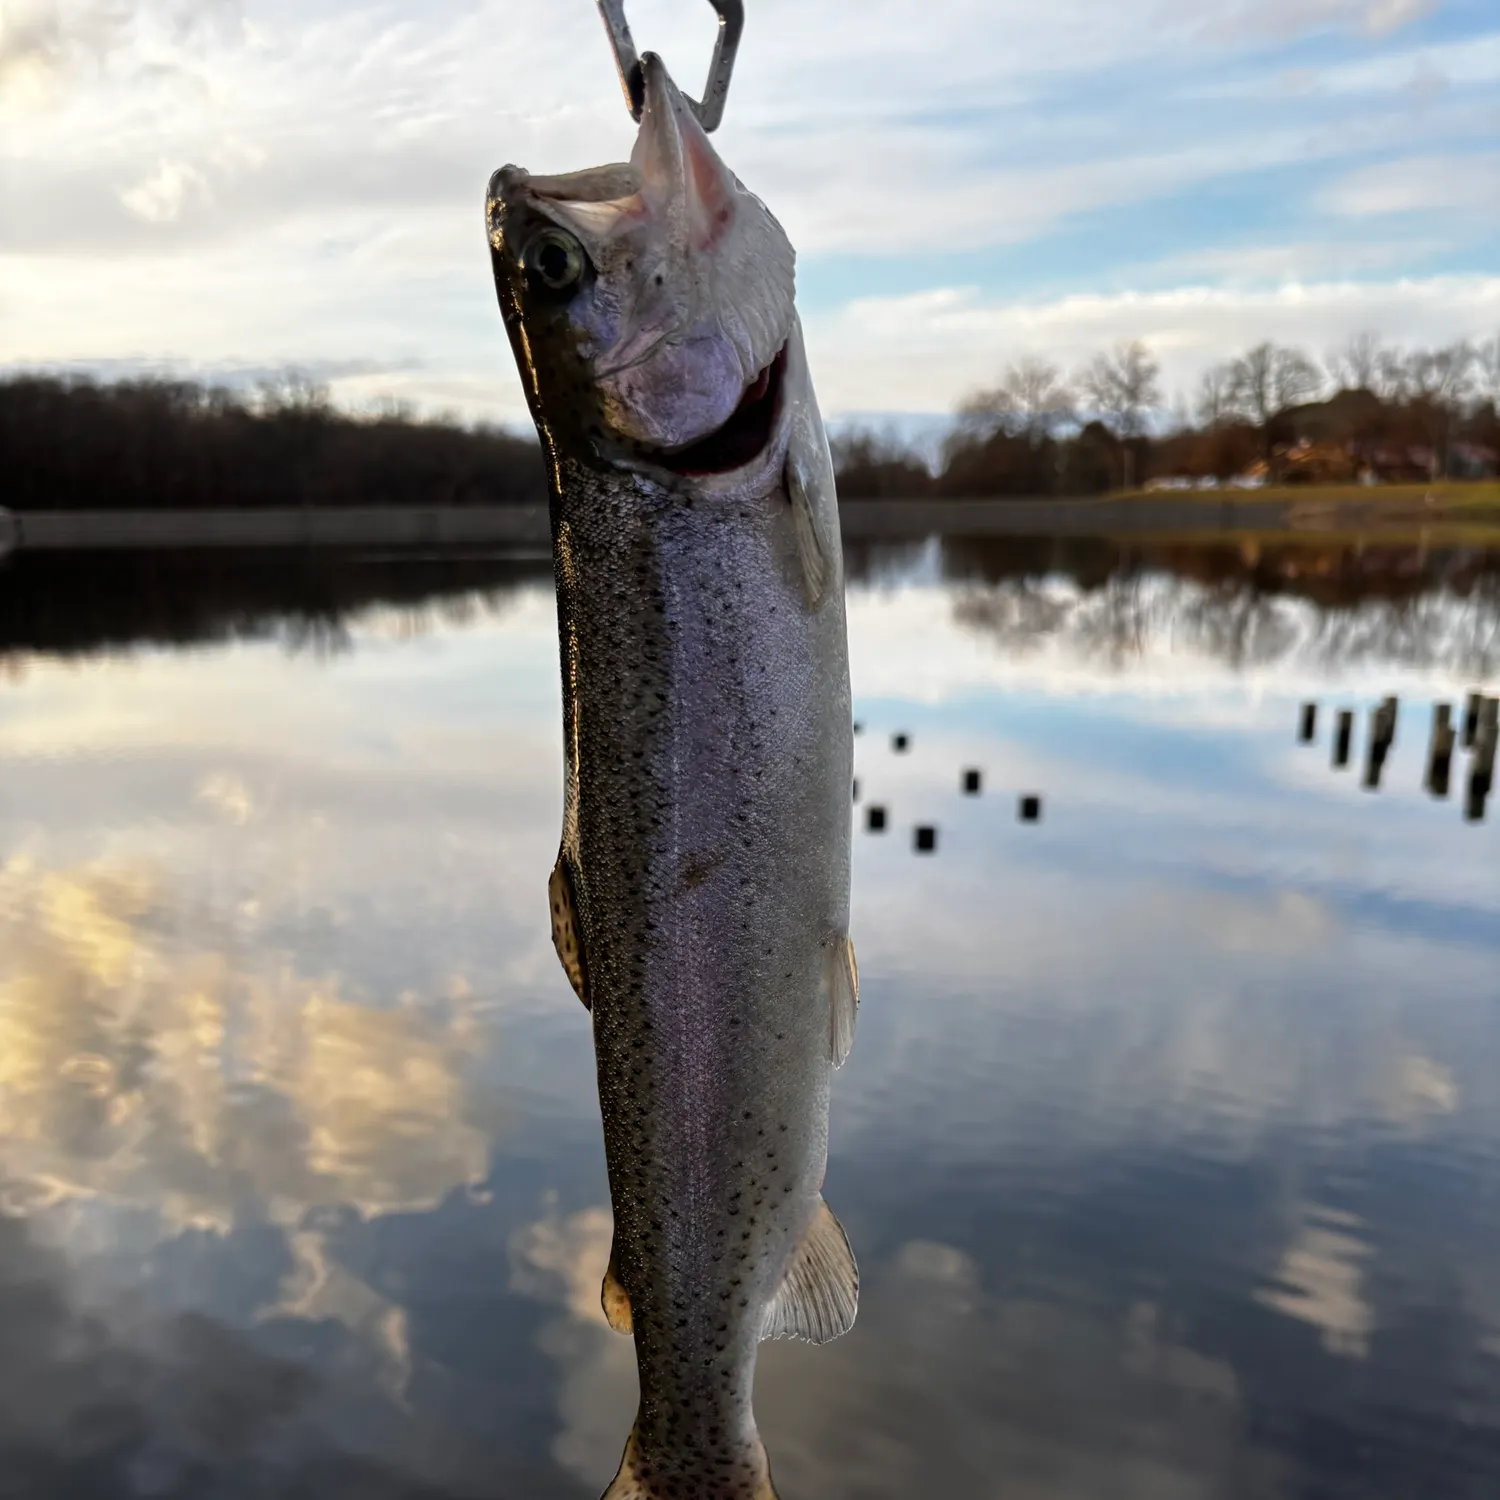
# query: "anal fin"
{"type": "Point", "coordinates": [819, 1295]}
{"type": "Point", "coordinates": [567, 937]}
{"type": "Point", "coordinates": [841, 982]}
{"type": "Point", "coordinates": [615, 1299]}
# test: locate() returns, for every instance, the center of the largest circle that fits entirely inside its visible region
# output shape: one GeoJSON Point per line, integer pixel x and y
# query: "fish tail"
{"type": "Point", "coordinates": [639, 1479]}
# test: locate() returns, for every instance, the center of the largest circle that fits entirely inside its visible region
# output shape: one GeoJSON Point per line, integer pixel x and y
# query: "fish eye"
{"type": "Point", "coordinates": [555, 259]}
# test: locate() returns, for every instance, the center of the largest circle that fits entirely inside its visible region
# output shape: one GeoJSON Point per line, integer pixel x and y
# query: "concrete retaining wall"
{"type": "Point", "coordinates": [526, 527]}
{"type": "Point", "coordinates": [385, 526]}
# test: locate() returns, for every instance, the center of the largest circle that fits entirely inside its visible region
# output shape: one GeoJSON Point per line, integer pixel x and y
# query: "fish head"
{"type": "Point", "coordinates": [649, 302]}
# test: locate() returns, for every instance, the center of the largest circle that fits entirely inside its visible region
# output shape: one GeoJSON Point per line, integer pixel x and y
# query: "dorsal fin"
{"type": "Point", "coordinates": [820, 1292]}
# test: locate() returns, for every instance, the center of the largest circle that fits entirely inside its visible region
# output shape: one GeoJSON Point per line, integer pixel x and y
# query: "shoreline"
{"type": "Point", "coordinates": [1306, 513]}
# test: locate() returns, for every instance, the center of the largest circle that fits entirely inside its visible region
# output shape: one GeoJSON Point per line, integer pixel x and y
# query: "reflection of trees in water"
{"type": "Point", "coordinates": [1245, 606]}
{"type": "Point", "coordinates": [1117, 624]}
{"type": "Point", "coordinates": [1461, 632]}
{"type": "Point", "coordinates": [1023, 613]}
{"type": "Point", "coordinates": [1238, 625]}
{"type": "Point", "coordinates": [81, 602]}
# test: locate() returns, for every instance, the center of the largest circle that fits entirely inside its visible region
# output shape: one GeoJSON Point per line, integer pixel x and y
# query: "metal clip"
{"type": "Point", "coordinates": [710, 111]}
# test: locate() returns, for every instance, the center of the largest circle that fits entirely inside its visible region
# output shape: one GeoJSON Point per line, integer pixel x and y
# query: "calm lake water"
{"type": "Point", "coordinates": [1170, 1142]}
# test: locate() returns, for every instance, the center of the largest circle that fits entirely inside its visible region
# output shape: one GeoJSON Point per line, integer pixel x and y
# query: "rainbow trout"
{"type": "Point", "coordinates": [700, 900]}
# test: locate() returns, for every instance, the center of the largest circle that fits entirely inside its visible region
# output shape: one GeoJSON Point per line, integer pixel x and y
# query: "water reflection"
{"type": "Point", "coordinates": [1246, 603]}
{"type": "Point", "coordinates": [68, 603]}
{"type": "Point", "coordinates": [1249, 607]}
{"type": "Point", "coordinates": [1167, 1143]}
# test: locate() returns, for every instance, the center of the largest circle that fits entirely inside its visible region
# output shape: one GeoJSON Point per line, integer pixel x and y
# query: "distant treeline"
{"type": "Point", "coordinates": [166, 445]}
{"type": "Point", "coordinates": [1271, 415]}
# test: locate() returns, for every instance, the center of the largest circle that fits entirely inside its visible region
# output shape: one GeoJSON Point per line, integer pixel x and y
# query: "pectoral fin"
{"type": "Point", "coordinates": [567, 938]}
{"type": "Point", "coordinates": [813, 551]}
{"type": "Point", "coordinates": [841, 982]}
{"type": "Point", "coordinates": [615, 1299]}
{"type": "Point", "coordinates": [820, 1293]}
{"type": "Point", "coordinates": [810, 486]}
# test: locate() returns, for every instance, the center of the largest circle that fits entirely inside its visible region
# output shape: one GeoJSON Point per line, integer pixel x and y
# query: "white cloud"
{"type": "Point", "coordinates": [1294, 17]}
{"type": "Point", "coordinates": [1422, 184]}
{"type": "Point", "coordinates": [158, 198]}
{"type": "Point", "coordinates": [1469, 61]}
{"type": "Point", "coordinates": [926, 350]}
{"type": "Point", "coordinates": [49, 48]}
{"type": "Point", "coordinates": [1297, 261]}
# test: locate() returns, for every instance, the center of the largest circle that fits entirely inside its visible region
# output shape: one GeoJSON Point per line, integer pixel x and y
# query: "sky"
{"type": "Point", "coordinates": [225, 188]}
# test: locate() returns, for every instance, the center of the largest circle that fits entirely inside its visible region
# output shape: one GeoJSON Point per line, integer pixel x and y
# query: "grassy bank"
{"type": "Point", "coordinates": [1451, 495]}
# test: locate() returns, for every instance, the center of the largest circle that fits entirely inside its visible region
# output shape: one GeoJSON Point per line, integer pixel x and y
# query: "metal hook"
{"type": "Point", "coordinates": [731, 14]}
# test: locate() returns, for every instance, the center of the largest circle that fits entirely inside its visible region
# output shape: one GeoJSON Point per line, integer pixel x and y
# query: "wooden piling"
{"type": "Point", "coordinates": [1382, 737]}
{"type": "Point", "coordinates": [1440, 751]}
{"type": "Point", "coordinates": [1482, 766]}
{"type": "Point", "coordinates": [1342, 737]}
{"type": "Point", "coordinates": [1471, 719]}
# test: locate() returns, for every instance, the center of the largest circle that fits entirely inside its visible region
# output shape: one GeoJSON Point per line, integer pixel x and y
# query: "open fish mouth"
{"type": "Point", "coordinates": [743, 437]}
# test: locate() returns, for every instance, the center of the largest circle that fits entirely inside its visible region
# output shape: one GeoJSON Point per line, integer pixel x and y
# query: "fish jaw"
{"type": "Point", "coordinates": [686, 304]}
{"type": "Point", "coordinates": [715, 304]}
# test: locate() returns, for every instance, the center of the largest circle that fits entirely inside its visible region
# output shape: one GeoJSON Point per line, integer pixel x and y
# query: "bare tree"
{"type": "Point", "coordinates": [1268, 379]}
{"type": "Point", "coordinates": [292, 390]}
{"type": "Point", "coordinates": [1487, 371]}
{"type": "Point", "coordinates": [1392, 376]}
{"type": "Point", "coordinates": [1215, 402]}
{"type": "Point", "coordinates": [1031, 401]}
{"type": "Point", "coordinates": [1444, 377]}
{"type": "Point", "coordinates": [1439, 382]}
{"type": "Point", "coordinates": [1124, 387]}
{"type": "Point", "coordinates": [1355, 364]}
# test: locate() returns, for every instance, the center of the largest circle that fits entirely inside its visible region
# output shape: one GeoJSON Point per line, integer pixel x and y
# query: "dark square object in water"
{"type": "Point", "coordinates": [1031, 809]}
{"type": "Point", "coordinates": [875, 819]}
{"type": "Point", "coordinates": [900, 743]}
{"type": "Point", "coordinates": [926, 839]}
{"type": "Point", "coordinates": [971, 783]}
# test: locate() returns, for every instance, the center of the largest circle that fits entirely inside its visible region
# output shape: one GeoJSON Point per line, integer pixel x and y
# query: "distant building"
{"type": "Point", "coordinates": [1473, 461]}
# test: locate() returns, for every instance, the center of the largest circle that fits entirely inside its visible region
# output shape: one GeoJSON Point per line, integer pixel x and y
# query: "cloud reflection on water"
{"type": "Point", "coordinates": [134, 1067]}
